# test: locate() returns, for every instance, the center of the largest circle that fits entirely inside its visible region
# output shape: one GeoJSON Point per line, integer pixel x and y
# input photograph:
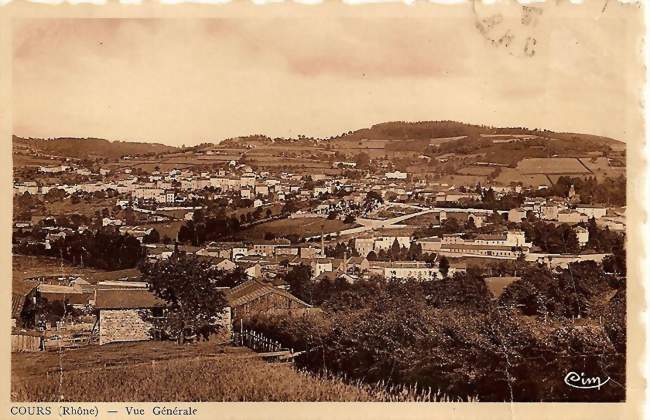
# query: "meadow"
{"type": "Point", "coordinates": [301, 226]}
{"type": "Point", "coordinates": [162, 371]}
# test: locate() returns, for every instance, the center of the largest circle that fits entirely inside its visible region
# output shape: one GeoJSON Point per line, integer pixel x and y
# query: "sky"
{"type": "Point", "coordinates": [187, 81]}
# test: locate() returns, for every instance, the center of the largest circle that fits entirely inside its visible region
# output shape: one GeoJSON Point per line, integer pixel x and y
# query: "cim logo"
{"type": "Point", "coordinates": [580, 381]}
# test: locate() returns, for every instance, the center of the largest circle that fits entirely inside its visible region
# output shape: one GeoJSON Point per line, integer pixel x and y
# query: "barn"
{"type": "Point", "coordinates": [254, 296]}
{"type": "Point", "coordinates": [124, 314]}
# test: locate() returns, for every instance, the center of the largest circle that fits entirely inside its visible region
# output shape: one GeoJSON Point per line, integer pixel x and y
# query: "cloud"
{"type": "Point", "coordinates": [191, 80]}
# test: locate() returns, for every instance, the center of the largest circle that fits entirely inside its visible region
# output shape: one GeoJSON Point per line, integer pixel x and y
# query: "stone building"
{"type": "Point", "coordinates": [124, 314]}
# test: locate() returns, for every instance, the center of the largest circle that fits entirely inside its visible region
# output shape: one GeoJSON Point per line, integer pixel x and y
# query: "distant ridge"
{"type": "Point", "coordinates": [413, 135]}
{"type": "Point", "coordinates": [398, 130]}
{"type": "Point", "coordinates": [91, 147]}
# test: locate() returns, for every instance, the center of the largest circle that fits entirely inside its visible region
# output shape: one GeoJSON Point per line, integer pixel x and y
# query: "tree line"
{"type": "Point", "coordinates": [453, 335]}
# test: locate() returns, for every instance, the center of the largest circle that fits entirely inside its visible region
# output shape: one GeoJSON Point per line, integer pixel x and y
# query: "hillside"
{"type": "Point", "coordinates": [88, 147]}
{"type": "Point", "coordinates": [426, 130]}
{"type": "Point", "coordinates": [440, 137]}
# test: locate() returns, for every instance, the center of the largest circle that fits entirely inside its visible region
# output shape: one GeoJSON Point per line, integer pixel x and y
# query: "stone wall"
{"type": "Point", "coordinates": [129, 325]}
{"type": "Point", "coordinates": [123, 325]}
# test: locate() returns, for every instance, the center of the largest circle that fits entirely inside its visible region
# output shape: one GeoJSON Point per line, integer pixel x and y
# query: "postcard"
{"type": "Point", "coordinates": [327, 210]}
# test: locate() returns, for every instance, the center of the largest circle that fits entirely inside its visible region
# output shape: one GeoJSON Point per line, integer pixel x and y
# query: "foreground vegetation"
{"type": "Point", "coordinates": [230, 374]}
{"type": "Point", "coordinates": [451, 335]}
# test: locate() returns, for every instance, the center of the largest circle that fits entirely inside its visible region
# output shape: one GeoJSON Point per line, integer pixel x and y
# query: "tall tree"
{"type": "Point", "coordinates": [190, 289]}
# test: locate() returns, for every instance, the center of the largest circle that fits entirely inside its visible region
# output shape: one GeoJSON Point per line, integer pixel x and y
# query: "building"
{"type": "Point", "coordinates": [364, 246]}
{"type": "Point", "coordinates": [571, 216]}
{"type": "Point", "coordinates": [267, 248]}
{"type": "Point", "coordinates": [261, 190]}
{"type": "Point", "coordinates": [402, 270]}
{"type": "Point", "coordinates": [582, 235]}
{"type": "Point", "coordinates": [516, 215]}
{"type": "Point", "coordinates": [396, 175]}
{"type": "Point", "coordinates": [432, 244]}
{"type": "Point", "coordinates": [320, 265]}
{"type": "Point", "coordinates": [592, 211]}
{"type": "Point", "coordinates": [126, 314]}
{"type": "Point", "coordinates": [254, 297]}
{"type": "Point", "coordinates": [225, 264]}
{"type": "Point", "coordinates": [507, 245]}
{"type": "Point", "coordinates": [549, 212]}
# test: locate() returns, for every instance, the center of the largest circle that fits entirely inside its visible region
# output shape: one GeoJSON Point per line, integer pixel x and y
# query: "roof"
{"type": "Point", "coordinates": [57, 289]}
{"type": "Point", "coordinates": [127, 298]}
{"type": "Point", "coordinates": [474, 246]}
{"type": "Point", "coordinates": [491, 236]}
{"type": "Point", "coordinates": [254, 289]}
{"type": "Point", "coordinates": [431, 239]}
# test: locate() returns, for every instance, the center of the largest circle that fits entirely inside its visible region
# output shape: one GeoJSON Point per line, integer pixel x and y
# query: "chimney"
{"type": "Point", "coordinates": [322, 242]}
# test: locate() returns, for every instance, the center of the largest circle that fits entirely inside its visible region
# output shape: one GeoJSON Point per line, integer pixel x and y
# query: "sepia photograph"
{"type": "Point", "coordinates": [331, 208]}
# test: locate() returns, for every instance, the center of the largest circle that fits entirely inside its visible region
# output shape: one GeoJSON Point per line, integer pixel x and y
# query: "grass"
{"type": "Point", "coordinates": [163, 371]}
{"type": "Point", "coordinates": [300, 226]}
{"type": "Point", "coordinates": [28, 266]}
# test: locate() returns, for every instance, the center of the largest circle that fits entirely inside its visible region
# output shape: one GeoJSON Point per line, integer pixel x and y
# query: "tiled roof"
{"type": "Point", "coordinates": [127, 298]}
{"type": "Point", "coordinates": [254, 289]}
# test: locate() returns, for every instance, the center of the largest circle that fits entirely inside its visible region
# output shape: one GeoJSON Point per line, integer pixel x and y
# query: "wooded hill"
{"type": "Point", "coordinates": [90, 147]}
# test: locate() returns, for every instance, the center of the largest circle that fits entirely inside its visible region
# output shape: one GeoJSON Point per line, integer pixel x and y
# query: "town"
{"type": "Point", "coordinates": [287, 224]}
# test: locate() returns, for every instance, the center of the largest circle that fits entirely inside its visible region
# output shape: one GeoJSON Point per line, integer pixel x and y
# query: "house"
{"type": "Point", "coordinates": [261, 189]}
{"type": "Point", "coordinates": [396, 175]}
{"type": "Point", "coordinates": [516, 215]}
{"type": "Point", "coordinates": [358, 264]}
{"type": "Point", "coordinates": [253, 297]}
{"type": "Point", "coordinates": [571, 216]}
{"type": "Point", "coordinates": [363, 246]}
{"type": "Point", "coordinates": [583, 235]}
{"type": "Point", "coordinates": [125, 314]}
{"type": "Point", "coordinates": [592, 210]}
{"type": "Point", "coordinates": [331, 276]}
{"type": "Point", "coordinates": [309, 252]}
{"type": "Point", "coordinates": [320, 265]}
{"type": "Point", "coordinates": [225, 264]}
{"type": "Point", "coordinates": [549, 212]}
{"type": "Point", "coordinates": [267, 247]}
{"type": "Point", "coordinates": [252, 270]}
{"type": "Point", "coordinates": [428, 245]}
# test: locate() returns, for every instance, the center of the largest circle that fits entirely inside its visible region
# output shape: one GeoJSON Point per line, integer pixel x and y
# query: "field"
{"type": "Point", "coordinates": [302, 227]}
{"type": "Point", "coordinates": [165, 371]}
{"type": "Point", "coordinates": [169, 229]}
{"type": "Point", "coordinates": [552, 166]}
{"type": "Point", "coordinates": [29, 266]}
{"type": "Point", "coordinates": [25, 267]}
{"type": "Point", "coordinates": [422, 220]}
{"type": "Point", "coordinates": [509, 175]}
{"type": "Point", "coordinates": [476, 170]}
